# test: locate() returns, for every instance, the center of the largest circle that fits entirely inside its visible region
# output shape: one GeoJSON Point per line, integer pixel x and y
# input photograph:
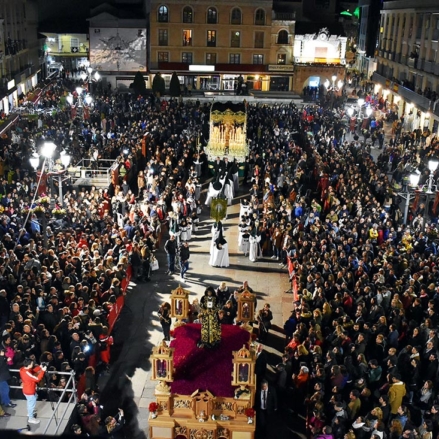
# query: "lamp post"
{"type": "Point", "coordinates": [65, 160]}
{"type": "Point", "coordinates": [334, 78]}
{"type": "Point", "coordinates": [47, 151]}
{"type": "Point", "coordinates": [428, 189]}
{"type": "Point", "coordinates": [432, 166]}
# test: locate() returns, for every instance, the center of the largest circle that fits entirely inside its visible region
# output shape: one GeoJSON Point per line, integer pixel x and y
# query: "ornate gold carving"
{"type": "Point", "coordinates": [182, 403]}
{"type": "Point", "coordinates": [228, 117]}
{"type": "Point", "coordinates": [223, 405]}
{"type": "Point", "coordinates": [201, 434]}
{"type": "Point", "coordinates": [180, 431]}
{"type": "Point", "coordinates": [223, 433]}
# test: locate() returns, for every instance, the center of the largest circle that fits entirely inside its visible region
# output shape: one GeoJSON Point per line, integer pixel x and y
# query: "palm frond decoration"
{"type": "Point", "coordinates": [218, 209]}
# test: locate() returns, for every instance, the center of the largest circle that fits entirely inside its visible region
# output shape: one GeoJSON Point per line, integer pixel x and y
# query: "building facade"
{"type": "Point", "coordinates": [407, 70]}
{"type": "Point", "coordinates": [319, 57]}
{"type": "Point", "coordinates": [209, 44]}
{"type": "Point", "coordinates": [367, 36]}
{"type": "Point", "coordinates": [69, 49]}
{"type": "Point", "coordinates": [118, 42]}
{"type": "Point", "coordinates": [19, 51]}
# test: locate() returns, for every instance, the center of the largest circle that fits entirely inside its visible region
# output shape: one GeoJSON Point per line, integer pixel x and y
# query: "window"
{"type": "Point", "coordinates": [282, 37]}
{"type": "Point", "coordinates": [163, 56]}
{"type": "Point", "coordinates": [211, 38]}
{"type": "Point", "coordinates": [186, 57]}
{"type": "Point", "coordinates": [259, 40]}
{"type": "Point", "coordinates": [187, 15]}
{"type": "Point", "coordinates": [236, 16]}
{"type": "Point", "coordinates": [236, 39]}
{"type": "Point", "coordinates": [210, 58]}
{"type": "Point", "coordinates": [258, 59]}
{"type": "Point", "coordinates": [163, 14]}
{"type": "Point", "coordinates": [163, 37]}
{"type": "Point", "coordinates": [235, 58]}
{"type": "Point", "coordinates": [74, 44]}
{"type": "Point", "coordinates": [260, 17]}
{"type": "Point", "coordinates": [281, 58]}
{"type": "Point", "coordinates": [212, 16]}
{"type": "Point", "coordinates": [187, 37]}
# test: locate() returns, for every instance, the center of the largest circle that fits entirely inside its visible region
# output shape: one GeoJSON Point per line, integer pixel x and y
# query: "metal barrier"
{"type": "Point", "coordinates": [101, 171]}
{"type": "Point", "coordinates": [72, 390]}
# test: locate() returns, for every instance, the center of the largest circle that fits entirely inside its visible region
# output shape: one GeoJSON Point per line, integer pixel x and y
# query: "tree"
{"type": "Point", "coordinates": [139, 85]}
{"type": "Point", "coordinates": [158, 84]}
{"type": "Point", "coordinates": [174, 86]}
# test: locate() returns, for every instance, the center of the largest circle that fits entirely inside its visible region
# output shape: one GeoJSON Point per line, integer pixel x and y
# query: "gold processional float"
{"type": "Point", "coordinates": [228, 132]}
{"type": "Point", "coordinates": [203, 415]}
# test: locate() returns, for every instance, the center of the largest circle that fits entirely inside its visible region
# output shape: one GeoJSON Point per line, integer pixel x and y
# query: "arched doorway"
{"type": "Point", "coordinates": [313, 87]}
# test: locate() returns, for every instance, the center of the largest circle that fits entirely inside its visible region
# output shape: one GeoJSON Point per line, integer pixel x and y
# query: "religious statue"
{"type": "Point", "coordinates": [210, 327]}
{"type": "Point", "coordinates": [242, 392]}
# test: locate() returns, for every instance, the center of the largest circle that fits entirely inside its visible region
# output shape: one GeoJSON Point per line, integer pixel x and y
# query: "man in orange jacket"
{"type": "Point", "coordinates": [30, 377]}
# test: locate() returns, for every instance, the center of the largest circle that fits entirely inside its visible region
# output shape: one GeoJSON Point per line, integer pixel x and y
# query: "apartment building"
{"type": "Point", "coordinates": [407, 60]}
{"type": "Point", "coordinates": [19, 50]}
{"type": "Point", "coordinates": [210, 44]}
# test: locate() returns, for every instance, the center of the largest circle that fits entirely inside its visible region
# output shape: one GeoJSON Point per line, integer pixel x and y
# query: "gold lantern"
{"type": "Point", "coordinates": [243, 375]}
{"type": "Point", "coordinates": [162, 358]}
{"type": "Point", "coordinates": [179, 305]}
{"type": "Point", "coordinates": [246, 309]}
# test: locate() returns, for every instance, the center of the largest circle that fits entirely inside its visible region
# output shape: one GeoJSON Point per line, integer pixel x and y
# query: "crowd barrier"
{"type": "Point", "coordinates": [112, 318]}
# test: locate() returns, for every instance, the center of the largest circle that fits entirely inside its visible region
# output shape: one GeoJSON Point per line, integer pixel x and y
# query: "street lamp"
{"type": "Point", "coordinates": [429, 188]}
{"type": "Point", "coordinates": [35, 160]}
{"type": "Point", "coordinates": [327, 84]}
{"type": "Point", "coordinates": [65, 159]}
{"type": "Point", "coordinates": [334, 77]}
{"type": "Point", "coordinates": [340, 84]}
{"type": "Point", "coordinates": [88, 99]}
{"type": "Point", "coordinates": [48, 149]}
{"type": "Point", "coordinates": [70, 99]}
{"type": "Point", "coordinates": [368, 111]}
{"type": "Point", "coordinates": [350, 111]}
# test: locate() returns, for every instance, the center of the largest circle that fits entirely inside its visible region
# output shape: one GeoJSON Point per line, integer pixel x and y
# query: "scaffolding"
{"type": "Point", "coordinates": [70, 387]}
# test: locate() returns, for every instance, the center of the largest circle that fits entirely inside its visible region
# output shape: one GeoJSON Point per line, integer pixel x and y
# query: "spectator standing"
{"type": "Point", "coordinates": [30, 376]}
{"type": "Point", "coordinates": [165, 319]}
{"type": "Point", "coordinates": [184, 259]}
{"type": "Point", "coordinates": [4, 377]}
{"type": "Point", "coordinates": [171, 250]}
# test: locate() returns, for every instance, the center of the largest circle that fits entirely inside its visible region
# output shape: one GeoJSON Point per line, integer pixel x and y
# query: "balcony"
{"type": "Point", "coordinates": [284, 16]}
{"type": "Point", "coordinates": [418, 100]}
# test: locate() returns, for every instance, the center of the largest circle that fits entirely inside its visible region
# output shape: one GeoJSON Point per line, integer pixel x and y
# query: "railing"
{"type": "Point", "coordinates": [103, 169]}
{"type": "Point", "coordinates": [284, 16]}
{"type": "Point", "coordinates": [70, 388]}
{"type": "Point", "coordinates": [415, 98]}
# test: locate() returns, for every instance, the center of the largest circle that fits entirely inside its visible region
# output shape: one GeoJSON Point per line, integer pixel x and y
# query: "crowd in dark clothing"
{"type": "Point", "coordinates": [362, 345]}
{"type": "Point", "coordinates": [362, 339]}
{"type": "Point", "coordinates": [57, 290]}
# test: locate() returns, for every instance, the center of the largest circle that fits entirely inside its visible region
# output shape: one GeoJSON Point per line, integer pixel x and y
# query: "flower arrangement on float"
{"type": "Point", "coordinates": [153, 407]}
{"type": "Point", "coordinates": [250, 413]}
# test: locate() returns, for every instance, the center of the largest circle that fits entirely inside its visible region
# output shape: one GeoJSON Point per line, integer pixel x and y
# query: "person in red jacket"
{"type": "Point", "coordinates": [30, 377]}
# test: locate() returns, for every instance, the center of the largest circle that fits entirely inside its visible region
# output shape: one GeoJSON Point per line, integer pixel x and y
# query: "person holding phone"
{"type": "Point", "coordinates": [30, 376]}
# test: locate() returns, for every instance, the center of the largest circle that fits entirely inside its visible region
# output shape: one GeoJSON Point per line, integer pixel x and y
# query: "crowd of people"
{"type": "Point", "coordinates": [362, 339]}
{"type": "Point", "coordinates": [59, 284]}
{"type": "Point", "coordinates": [362, 342]}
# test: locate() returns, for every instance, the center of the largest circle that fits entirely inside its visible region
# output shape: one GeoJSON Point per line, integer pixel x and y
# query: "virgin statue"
{"type": "Point", "coordinates": [210, 327]}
